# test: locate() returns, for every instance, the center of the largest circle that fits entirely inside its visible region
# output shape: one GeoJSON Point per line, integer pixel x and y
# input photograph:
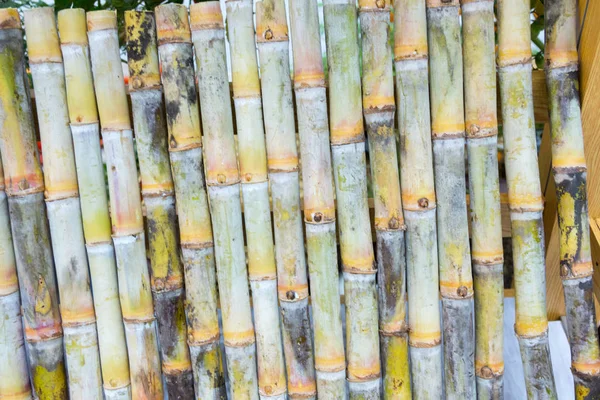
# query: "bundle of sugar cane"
{"type": "Point", "coordinates": [223, 181]}
{"type": "Point", "coordinates": [282, 155]}
{"type": "Point", "coordinates": [418, 197]}
{"type": "Point", "coordinates": [255, 191]}
{"type": "Point", "coordinates": [125, 207]}
{"type": "Point", "coordinates": [484, 190]}
{"type": "Point", "coordinates": [166, 272]}
{"type": "Point", "coordinates": [14, 376]}
{"type": "Point", "coordinates": [570, 176]}
{"type": "Point", "coordinates": [94, 203]}
{"type": "Point", "coordinates": [62, 203]}
{"type": "Point", "coordinates": [378, 108]}
{"type": "Point", "coordinates": [448, 135]}
{"type": "Point", "coordinates": [195, 232]}
{"type": "Point", "coordinates": [31, 237]}
{"type": "Point", "coordinates": [524, 195]}
{"type": "Point", "coordinates": [350, 173]}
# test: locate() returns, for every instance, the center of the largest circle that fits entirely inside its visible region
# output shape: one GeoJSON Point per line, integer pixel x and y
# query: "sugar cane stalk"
{"type": "Point", "coordinates": [14, 376]}
{"type": "Point", "coordinates": [570, 176]}
{"type": "Point", "coordinates": [255, 189]}
{"type": "Point", "coordinates": [208, 36]}
{"type": "Point", "coordinates": [350, 173]}
{"type": "Point", "coordinates": [31, 237]}
{"type": "Point", "coordinates": [486, 223]}
{"type": "Point", "coordinates": [282, 154]}
{"type": "Point", "coordinates": [195, 232]}
{"type": "Point", "coordinates": [418, 197]}
{"type": "Point", "coordinates": [379, 108]}
{"type": "Point", "coordinates": [94, 203]}
{"type": "Point", "coordinates": [524, 196]}
{"type": "Point", "coordinates": [166, 272]}
{"type": "Point", "coordinates": [125, 207]}
{"type": "Point", "coordinates": [62, 203]}
{"type": "Point", "coordinates": [448, 135]}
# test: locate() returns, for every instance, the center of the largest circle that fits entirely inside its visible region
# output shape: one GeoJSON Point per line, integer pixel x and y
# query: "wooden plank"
{"type": "Point", "coordinates": [589, 76]}
{"type": "Point", "coordinates": [589, 53]}
{"type": "Point", "coordinates": [555, 300]}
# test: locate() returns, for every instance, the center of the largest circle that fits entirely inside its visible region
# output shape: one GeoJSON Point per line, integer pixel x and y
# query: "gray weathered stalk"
{"type": "Point", "coordinates": [29, 226]}
{"type": "Point", "coordinates": [570, 176]}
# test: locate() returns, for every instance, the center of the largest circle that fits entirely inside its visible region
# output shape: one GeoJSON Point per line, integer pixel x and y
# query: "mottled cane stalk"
{"type": "Point", "coordinates": [418, 198]}
{"type": "Point", "coordinates": [524, 196]}
{"type": "Point", "coordinates": [454, 256]}
{"type": "Point", "coordinates": [125, 207]}
{"type": "Point", "coordinates": [29, 227]}
{"type": "Point", "coordinates": [378, 109]}
{"type": "Point", "coordinates": [570, 176]}
{"type": "Point", "coordinates": [223, 181]}
{"type": "Point", "coordinates": [350, 173]}
{"type": "Point", "coordinates": [14, 376]}
{"type": "Point", "coordinates": [195, 231]}
{"type": "Point", "coordinates": [85, 132]}
{"type": "Point", "coordinates": [166, 271]}
{"type": "Point", "coordinates": [62, 204]}
{"type": "Point", "coordinates": [282, 153]}
{"type": "Point", "coordinates": [486, 223]}
{"type": "Point", "coordinates": [252, 152]}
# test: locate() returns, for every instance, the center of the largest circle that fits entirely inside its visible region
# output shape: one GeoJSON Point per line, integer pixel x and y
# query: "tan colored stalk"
{"type": "Point", "coordinates": [486, 223]}
{"type": "Point", "coordinates": [448, 135]}
{"type": "Point", "coordinates": [94, 203]}
{"type": "Point", "coordinates": [195, 232]}
{"type": "Point", "coordinates": [125, 207]}
{"type": "Point", "coordinates": [166, 272]}
{"type": "Point", "coordinates": [379, 108]}
{"type": "Point", "coordinates": [570, 176]}
{"type": "Point", "coordinates": [255, 189]}
{"type": "Point", "coordinates": [350, 173]}
{"type": "Point", "coordinates": [31, 236]}
{"type": "Point", "coordinates": [14, 376]}
{"type": "Point", "coordinates": [62, 204]}
{"type": "Point", "coordinates": [282, 154]}
{"type": "Point", "coordinates": [524, 195]}
{"type": "Point", "coordinates": [418, 197]}
{"type": "Point", "coordinates": [222, 178]}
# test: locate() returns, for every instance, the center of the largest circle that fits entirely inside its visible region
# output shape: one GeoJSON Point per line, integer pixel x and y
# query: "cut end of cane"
{"type": "Point", "coordinates": [172, 24]}
{"type": "Point", "coordinates": [206, 15]}
{"type": "Point", "coordinates": [72, 26]}
{"type": "Point", "coordinates": [101, 20]}
{"type": "Point", "coordinates": [42, 35]}
{"type": "Point", "coordinates": [9, 18]}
